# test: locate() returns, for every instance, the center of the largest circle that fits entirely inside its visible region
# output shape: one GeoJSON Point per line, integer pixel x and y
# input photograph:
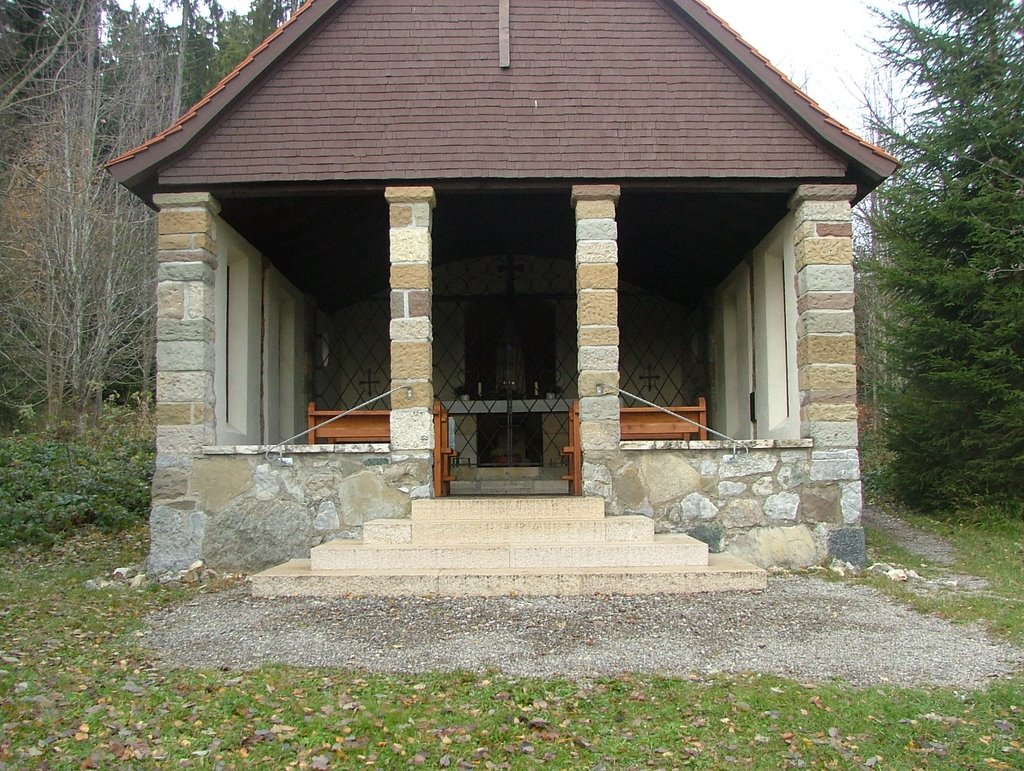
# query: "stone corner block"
{"type": "Point", "coordinates": [412, 429]}
{"type": "Point", "coordinates": [595, 192]}
{"type": "Point", "coordinates": [205, 200]}
{"type": "Point", "coordinates": [847, 545]}
{"type": "Point", "coordinates": [806, 193]}
{"type": "Point", "coordinates": [416, 194]}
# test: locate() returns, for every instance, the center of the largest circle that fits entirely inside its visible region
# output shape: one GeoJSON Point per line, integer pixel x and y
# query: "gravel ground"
{"type": "Point", "coordinates": [802, 627]}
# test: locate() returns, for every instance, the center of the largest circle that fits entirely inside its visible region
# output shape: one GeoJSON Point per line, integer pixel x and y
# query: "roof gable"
{"type": "Point", "coordinates": [388, 89]}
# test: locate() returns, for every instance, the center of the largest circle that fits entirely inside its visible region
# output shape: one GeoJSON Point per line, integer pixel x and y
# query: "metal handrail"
{"type": "Point", "coordinates": [736, 443]}
{"type": "Point", "coordinates": [277, 447]}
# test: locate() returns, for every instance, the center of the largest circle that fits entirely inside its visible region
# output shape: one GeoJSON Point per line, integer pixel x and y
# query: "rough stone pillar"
{"type": "Point", "coordinates": [187, 259]}
{"type": "Point", "coordinates": [412, 365]}
{"type": "Point", "coordinates": [826, 361]}
{"type": "Point", "coordinates": [597, 318]}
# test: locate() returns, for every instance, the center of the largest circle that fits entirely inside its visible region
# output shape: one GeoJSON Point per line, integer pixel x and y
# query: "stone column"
{"type": "Point", "coordinates": [826, 361]}
{"type": "Point", "coordinates": [597, 318]}
{"type": "Point", "coordinates": [187, 259]}
{"type": "Point", "coordinates": [412, 365]}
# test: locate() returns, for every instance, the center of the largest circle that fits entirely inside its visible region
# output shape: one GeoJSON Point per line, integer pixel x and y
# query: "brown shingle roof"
{"type": "Point", "coordinates": [372, 89]}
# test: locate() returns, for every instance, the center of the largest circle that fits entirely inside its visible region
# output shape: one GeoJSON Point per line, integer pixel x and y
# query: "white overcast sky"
{"type": "Point", "coordinates": [822, 45]}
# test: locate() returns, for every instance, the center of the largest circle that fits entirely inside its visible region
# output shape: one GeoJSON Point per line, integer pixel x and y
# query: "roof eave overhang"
{"type": "Point", "coordinates": [139, 169]}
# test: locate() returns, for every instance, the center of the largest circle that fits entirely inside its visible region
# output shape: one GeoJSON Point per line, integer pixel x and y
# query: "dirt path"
{"type": "Point", "coordinates": [933, 548]}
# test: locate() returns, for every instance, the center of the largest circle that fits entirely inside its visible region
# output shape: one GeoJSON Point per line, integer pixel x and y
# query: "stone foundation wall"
{"type": "Point", "coordinates": [780, 504]}
{"type": "Point", "coordinates": [244, 512]}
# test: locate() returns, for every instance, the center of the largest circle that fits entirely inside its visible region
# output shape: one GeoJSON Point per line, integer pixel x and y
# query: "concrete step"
{"type": "Point", "coordinates": [461, 509]}
{"type": "Point", "coordinates": [665, 550]}
{"type": "Point", "coordinates": [518, 531]}
{"type": "Point", "coordinates": [722, 573]}
{"type": "Point", "coordinates": [511, 487]}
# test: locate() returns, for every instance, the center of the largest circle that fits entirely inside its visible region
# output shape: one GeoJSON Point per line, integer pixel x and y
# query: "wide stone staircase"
{"type": "Point", "coordinates": [509, 546]}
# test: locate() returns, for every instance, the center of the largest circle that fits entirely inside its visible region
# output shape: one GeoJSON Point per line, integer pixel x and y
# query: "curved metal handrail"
{"type": "Point", "coordinates": [277, 447]}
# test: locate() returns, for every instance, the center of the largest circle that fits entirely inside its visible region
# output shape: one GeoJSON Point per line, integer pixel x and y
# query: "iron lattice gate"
{"type": "Point", "coordinates": [505, 358]}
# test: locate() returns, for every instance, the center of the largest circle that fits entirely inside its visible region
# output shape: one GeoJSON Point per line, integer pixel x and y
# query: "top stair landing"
{"type": "Point", "coordinates": [458, 509]}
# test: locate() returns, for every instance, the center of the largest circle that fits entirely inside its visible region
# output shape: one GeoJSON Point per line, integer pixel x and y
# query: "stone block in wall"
{"type": "Point", "coordinates": [411, 360]}
{"type": "Point", "coordinates": [601, 358]}
{"type": "Point", "coordinates": [823, 251]}
{"type": "Point", "coordinates": [218, 480]}
{"type": "Point", "coordinates": [410, 245]}
{"type": "Point", "coordinates": [597, 252]}
{"type": "Point", "coordinates": [838, 301]}
{"type": "Point", "coordinates": [782, 507]}
{"type": "Point", "coordinates": [847, 545]}
{"type": "Point", "coordinates": [820, 503]}
{"type": "Point", "coordinates": [788, 547]}
{"type": "Point", "coordinates": [170, 300]}
{"type": "Point", "coordinates": [410, 194]}
{"type": "Point", "coordinates": [833, 465]}
{"type": "Point", "coordinates": [412, 429]}
{"type": "Point", "coordinates": [183, 440]}
{"type": "Point", "coordinates": [597, 230]}
{"type": "Point", "coordinates": [595, 210]}
{"type": "Point", "coordinates": [184, 356]}
{"type": "Point", "coordinates": [599, 407]}
{"type": "Point", "coordinates": [178, 329]}
{"type": "Point", "coordinates": [177, 221]}
{"type": "Point", "coordinates": [366, 495]}
{"type": "Point", "coordinates": [411, 275]}
{"type": "Point", "coordinates": [422, 395]}
{"type": "Point", "coordinates": [826, 322]}
{"type": "Point", "coordinates": [184, 271]}
{"type": "Point", "coordinates": [830, 434]}
{"type": "Point", "coordinates": [851, 502]}
{"type": "Point", "coordinates": [825, 278]}
{"type": "Point", "coordinates": [175, 538]}
{"type": "Point", "coordinates": [252, 535]}
{"type": "Point", "coordinates": [696, 507]}
{"type": "Point", "coordinates": [184, 386]}
{"type": "Point", "coordinates": [668, 476]}
{"type": "Point", "coordinates": [742, 513]}
{"type": "Point", "coordinates": [598, 335]}
{"type": "Point", "coordinates": [597, 383]}
{"type": "Point", "coordinates": [828, 377]}
{"type": "Point", "coordinates": [597, 276]}
{"type": "Point", "coordinates": [826, 349]}
{"type": "Point", "coordinates": [828, 412]}
{"type": "Point", "coordinates": [411, 329]}
{"type": "Point", "coordinates": [597, 306]}
{"type": "Point", "coordinates": [599, 435]}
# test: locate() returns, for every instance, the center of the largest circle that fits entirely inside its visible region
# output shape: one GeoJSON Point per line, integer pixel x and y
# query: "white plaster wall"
{"type": "Point", "coordinates": [776, 393]}
{"type": "Point", "coordinates": [238, 291]}
{"type": "Point", "coordinates": [732, 348]}
{"type": "Point", "coordinates": [284, 398]}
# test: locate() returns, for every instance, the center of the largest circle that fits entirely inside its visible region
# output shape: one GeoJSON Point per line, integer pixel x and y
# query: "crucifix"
{"type": "Point", "coordinates": [649, 378]}
{"type": "Point", "coordinates": [370, 384]}
{"type": "Point", "coordinates": [503, 34]}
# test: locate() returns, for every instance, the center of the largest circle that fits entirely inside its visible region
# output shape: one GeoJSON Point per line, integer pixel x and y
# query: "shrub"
{"type": "Point", "coordinates": [49, 487]}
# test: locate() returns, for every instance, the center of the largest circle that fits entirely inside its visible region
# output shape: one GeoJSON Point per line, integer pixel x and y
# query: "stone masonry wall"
{"type": "Point", "coordinates": [782, 503]}
{"type": "Point", "coordinates": [252, 512]}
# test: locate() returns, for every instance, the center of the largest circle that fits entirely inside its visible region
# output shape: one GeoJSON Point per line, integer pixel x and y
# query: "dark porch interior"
{"type": "Point", "coordinates": [334, 245]}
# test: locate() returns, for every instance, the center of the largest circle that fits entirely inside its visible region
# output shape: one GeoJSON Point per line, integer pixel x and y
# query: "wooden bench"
{"type": "Point", "coordinates": [356, 427]}
{"type": "Point", "coordinates": [648, 423]}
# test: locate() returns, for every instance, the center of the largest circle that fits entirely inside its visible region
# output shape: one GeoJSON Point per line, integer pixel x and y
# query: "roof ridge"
{"type": "Point", "coordinates": [193, 111]}
{"type": "Point", "coordinates": [796, 89]}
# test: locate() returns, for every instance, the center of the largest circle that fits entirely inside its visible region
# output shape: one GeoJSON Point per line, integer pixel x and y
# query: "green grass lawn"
{"type": "Point", "coordinates": [77, 691]}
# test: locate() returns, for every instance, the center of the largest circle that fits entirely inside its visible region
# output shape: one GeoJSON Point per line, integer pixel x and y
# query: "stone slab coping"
{"type": "Point", "coordinates": [719, 444]}
{"type": "Point", "coordinates": [377, 448]}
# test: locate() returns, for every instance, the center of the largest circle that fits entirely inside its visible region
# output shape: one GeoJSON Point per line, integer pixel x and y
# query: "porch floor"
{"type": "Point", "coordinates": [510, 546]}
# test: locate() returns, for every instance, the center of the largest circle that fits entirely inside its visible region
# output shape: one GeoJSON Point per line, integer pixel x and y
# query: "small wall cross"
{"type": "Point", "coordinates": [650, 379]}
{"type": "Point", "coordinates": [370, 384]}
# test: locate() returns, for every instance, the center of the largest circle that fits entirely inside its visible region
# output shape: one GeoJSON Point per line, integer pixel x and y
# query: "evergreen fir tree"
{"type": "Point", "coordinates": [951, 228]}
